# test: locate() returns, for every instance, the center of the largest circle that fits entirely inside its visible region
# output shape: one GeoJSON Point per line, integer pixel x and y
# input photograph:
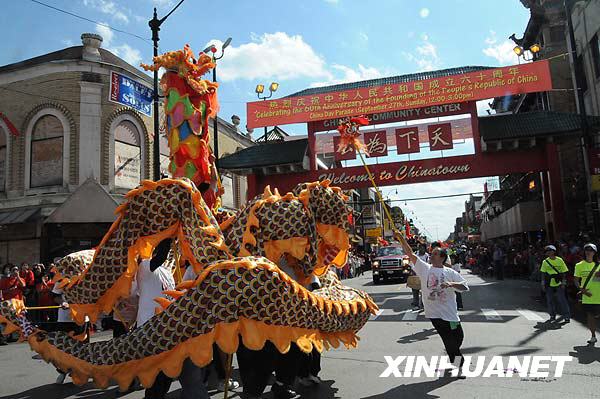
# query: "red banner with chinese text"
{"type": "Point", "coordinates": [496, 82]}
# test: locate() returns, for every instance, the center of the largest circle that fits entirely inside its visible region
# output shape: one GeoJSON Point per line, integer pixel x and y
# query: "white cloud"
{"type": "Point", "coordinates": [67, 42]}
{"type": "Point", "coordinates": [106, 33]}
{"type": "Point", "coordinates": [345, 74]}
{"type": "Point", "coordinates": [501, 51]}
{"type": "Point", "coordinates": [425, 55]}
{"type": "Point", "coordinates": [110, 8]}
{"type": "Point", "coordinates": [131, 55]}
{"type": "Point", "coordinates": [363, 36]}
{"type": "Point", "coordinates": [424, 13]}
{"type": "Point", "coordinates": [271, 55]}
{"type": "Point", "coordinates": [436, 215]}
{"type": "Point", "coordinates": [163, 3]}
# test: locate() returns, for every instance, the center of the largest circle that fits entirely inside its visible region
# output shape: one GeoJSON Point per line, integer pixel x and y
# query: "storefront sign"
{"type": "Point", "coordinates": [373, 232]}
{"type": "Point", "coordinates": [131, 93]}
{"type": "Point", "coordinates": [497, 82]}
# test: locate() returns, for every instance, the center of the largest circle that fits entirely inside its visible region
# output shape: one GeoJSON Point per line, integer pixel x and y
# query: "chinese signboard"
{"type": "Point", "coordinates": [407, 140]}
{"type": "Point", "coordinates": [126, 91]}
{"type": "Point", "coordinates": [440, 136]}
{"type": "Point", "coordinates": [516, 79]}
{"type": "Point", "coordinates": [376, 143]}
{"type": "Point", "coordinates": [343, 154]}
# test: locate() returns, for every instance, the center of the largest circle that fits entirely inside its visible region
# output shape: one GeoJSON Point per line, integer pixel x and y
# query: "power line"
{"type": "Point", "coordinates": [91, 20]}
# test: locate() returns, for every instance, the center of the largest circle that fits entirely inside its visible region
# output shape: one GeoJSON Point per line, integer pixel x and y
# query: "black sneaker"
{"type": "Point", "coordinates": [283, 392]}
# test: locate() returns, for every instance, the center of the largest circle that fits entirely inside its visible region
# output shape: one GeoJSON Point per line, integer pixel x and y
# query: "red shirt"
{"type": "Point", "coordinates": [12, 287]}
{"type": "Point", "coordinates": [28, 277]}
{"type": "Point", "coordinates": [45, 297]}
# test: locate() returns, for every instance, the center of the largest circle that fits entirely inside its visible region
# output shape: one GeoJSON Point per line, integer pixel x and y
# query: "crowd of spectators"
{"type": "Point", "coordinates": [521, 260]}
{"type": "Point", "coordinates": [32, 284]}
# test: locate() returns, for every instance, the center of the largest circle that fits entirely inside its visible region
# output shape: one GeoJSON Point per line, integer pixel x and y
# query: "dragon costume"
{"type": "Point", "coordinates": [240, 292]}
{"type": "Point", "coordinates": [247, 296]}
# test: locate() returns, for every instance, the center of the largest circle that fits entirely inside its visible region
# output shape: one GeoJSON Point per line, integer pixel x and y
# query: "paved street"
{"type": "Point", "coordinates": [500, 318]}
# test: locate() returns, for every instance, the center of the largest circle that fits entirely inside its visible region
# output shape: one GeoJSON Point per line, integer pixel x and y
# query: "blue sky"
{"type": "Point", "coordinates": [295, 43]}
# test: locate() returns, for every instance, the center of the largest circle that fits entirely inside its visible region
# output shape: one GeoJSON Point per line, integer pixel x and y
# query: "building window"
{"type": "Point", "coordinates": [47, 152]}
{"type": "Point", "coordinates": [581, 73]}
{"type": "Point", "coordinates": [128, 154]}
{"type": "Point", "coordinates": [227, 200]}
{"type": "Point", "coordinates": [164, 156]}
{"type": "Point", "coordinates": [3, 158]}
{"type": "Point", "coordinates": [595, 46]}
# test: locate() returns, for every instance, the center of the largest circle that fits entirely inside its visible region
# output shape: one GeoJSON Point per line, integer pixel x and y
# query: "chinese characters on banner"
{"type": "Point", "coordinates": [407, 140]}
{"type": "Point", "coordinates": [477, 85]}
{"type": "Point", "coordinates": [344, 155]}
{"type": "Point", "coordinates": [440, 136]}
{"type": "Point", "coordinates": [376, 143]}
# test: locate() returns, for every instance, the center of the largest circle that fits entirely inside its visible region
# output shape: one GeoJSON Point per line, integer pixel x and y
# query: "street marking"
{"type": "Point", "coordinates": [410, 315]}
{"type": "Point", "coordinates": [491, 314]}
{"type": "Point", "coordinates": [529, 315]}
{"type": "Point", "coordinates": [375, 316]}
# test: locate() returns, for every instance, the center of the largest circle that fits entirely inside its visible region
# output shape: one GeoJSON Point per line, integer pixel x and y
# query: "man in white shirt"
{"type": "Point", "coordinates": [438, 286]}
{"type": "Point", "coordinates": [152, 279]}
{"type": "Point", "coordinates": [422, 254]}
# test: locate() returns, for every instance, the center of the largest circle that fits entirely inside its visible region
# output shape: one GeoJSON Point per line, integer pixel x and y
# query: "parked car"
{"type": "Point", "coordinates": [390, 262]}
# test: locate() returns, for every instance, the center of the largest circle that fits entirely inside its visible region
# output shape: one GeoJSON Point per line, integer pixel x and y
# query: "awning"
{"type": "Point", "coordinates": [20, 216]}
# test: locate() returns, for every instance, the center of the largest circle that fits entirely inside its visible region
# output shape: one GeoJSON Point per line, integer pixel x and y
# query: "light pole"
{"type": "Point", "coordinates": [260, 90]}
{"type": "Point", "coordinates": [213, 49]}
{"type": "Point", "coordinates": [155, 24]}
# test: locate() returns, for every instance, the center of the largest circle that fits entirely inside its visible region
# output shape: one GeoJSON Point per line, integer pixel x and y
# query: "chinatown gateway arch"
{"type": "Point", "coordinates": [503, 144]}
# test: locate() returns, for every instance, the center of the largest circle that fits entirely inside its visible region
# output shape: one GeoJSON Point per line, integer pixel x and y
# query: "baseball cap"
{"type": "Point", "coordinates": [591, 246]}
{"type": "Point", "coordinates": [550, 248]}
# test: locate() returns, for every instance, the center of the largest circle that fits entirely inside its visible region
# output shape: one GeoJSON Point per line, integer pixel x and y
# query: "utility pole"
{"type": "Point", "coordinates": [155, 24]}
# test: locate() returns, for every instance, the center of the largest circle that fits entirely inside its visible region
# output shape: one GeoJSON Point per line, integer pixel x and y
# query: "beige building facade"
{"type": "Point", "coordinates": [68, 153]}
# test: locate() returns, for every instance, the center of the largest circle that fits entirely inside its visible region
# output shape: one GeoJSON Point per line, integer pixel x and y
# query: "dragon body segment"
{"type": "Point", "coordinates": [247, 296]}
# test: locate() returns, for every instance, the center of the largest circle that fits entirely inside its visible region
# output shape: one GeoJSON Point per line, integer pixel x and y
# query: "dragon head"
{"type": "Point", "coordinates": [186, 65]}
{"type": "Point", "coordinates": [330, 210]}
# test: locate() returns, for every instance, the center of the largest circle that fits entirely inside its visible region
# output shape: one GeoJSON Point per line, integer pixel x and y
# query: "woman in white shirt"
{"type": "Point", "coordinates": [438, 285]}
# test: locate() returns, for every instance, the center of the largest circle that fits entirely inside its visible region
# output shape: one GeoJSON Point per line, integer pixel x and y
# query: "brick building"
{"type": "Point", "coordinates": [68, 154]}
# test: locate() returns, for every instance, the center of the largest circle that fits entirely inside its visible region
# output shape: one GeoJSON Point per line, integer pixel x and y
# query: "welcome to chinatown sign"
{"type": "Point", "coordinates": [473, 86]}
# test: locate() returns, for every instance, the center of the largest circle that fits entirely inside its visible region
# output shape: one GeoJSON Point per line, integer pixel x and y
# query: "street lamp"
{"type": "Point", "coordinates": [155, 24]}
{"type": "Point", "coordinates": [213, 50]}
{"type": "Point", "coordinates": [534, 49]}
{"type": "Point", "coordinates": [260, 89]}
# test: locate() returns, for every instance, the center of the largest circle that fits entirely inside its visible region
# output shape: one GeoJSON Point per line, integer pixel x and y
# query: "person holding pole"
{"type": "Point", "coordinates": [438, 285]}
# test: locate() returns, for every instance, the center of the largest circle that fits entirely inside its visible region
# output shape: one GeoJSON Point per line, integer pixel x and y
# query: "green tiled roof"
{"type": "Point", "coordinates": [268, 154]}
{"type": "Point", "coordinates": [390, 80]}
{"type": "Point", "coordinates": [532, 124]}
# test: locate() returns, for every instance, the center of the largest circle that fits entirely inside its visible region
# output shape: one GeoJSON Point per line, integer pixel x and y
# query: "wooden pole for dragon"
{"type": "Point", "coordinates": [227, 375]}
